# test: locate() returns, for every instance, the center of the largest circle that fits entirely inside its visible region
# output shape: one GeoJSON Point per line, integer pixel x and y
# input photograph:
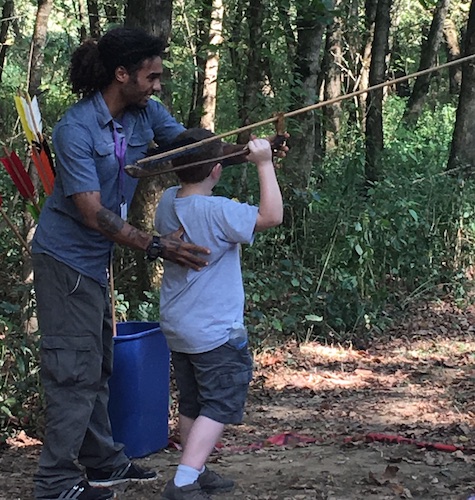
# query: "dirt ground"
{"type": "Point", "coordinates": [326, 422]}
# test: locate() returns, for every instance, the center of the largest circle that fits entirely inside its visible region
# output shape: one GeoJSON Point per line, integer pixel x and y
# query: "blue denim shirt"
{"type": "Point", "coordinates": [83, 142]}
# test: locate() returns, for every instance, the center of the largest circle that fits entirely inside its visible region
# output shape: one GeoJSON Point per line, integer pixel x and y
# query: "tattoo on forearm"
{"type": "Point", "coordinates": [109, 221]}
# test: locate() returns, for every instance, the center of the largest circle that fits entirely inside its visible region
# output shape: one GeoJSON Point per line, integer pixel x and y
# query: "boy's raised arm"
{"type": "Point", "coordinates": [271, 209]}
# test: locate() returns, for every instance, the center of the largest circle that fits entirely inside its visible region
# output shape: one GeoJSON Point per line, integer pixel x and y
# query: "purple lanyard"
{"type": "Point", "coordinates": [120, 147]}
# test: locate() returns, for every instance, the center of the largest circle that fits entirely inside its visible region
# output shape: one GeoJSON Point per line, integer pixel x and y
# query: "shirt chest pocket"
{"type": "Point", "coordinates": [105, 160]}
{"type": "Point", "coordinates": [139, 142]}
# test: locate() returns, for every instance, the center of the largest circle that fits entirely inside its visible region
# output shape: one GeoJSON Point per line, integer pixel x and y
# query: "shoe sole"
{"type": "Point", "coordinates": [210, 491]}
{"type": "Point", "coordinates": [114, 496]}
{"type": "Point", "coordinates": [114, 482]}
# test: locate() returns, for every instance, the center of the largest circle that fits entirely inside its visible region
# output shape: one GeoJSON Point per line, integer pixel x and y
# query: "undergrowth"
{"type": "Point", "coordinates": [346, 257]}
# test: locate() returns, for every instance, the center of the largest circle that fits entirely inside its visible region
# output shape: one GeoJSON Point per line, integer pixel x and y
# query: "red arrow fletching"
{"type": "Point", "coordinates": [19, 175]}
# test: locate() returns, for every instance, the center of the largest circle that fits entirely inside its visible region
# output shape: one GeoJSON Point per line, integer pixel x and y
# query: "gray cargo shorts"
{"type": "Point", "coordinates": [213, 384]}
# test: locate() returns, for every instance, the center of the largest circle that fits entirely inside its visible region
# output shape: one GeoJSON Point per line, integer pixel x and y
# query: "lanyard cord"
{"type": "Point", "coordinates": [120, 147]}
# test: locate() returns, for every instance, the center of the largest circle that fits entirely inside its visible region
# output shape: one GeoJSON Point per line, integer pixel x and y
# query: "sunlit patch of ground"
{"type": "Point", "coordinates": [416, 380]}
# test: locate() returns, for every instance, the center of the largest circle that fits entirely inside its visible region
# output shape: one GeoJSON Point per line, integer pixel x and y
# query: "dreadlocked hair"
{"type": "Point", "coordinates": [93, 63]}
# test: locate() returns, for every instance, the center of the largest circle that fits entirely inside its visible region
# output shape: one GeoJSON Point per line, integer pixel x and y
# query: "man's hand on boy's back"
{"type": "Point", "coordinates": [260, 151]}
{"type": "Point", "coordinates": [178, 251]}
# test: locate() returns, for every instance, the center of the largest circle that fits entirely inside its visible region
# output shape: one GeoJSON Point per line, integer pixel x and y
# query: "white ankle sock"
{"type": "Point", "coordinates": [185, 475]}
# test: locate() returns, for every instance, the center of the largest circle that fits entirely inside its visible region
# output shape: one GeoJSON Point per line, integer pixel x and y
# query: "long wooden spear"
{"type": "Point", "coordinates": [135, 169]}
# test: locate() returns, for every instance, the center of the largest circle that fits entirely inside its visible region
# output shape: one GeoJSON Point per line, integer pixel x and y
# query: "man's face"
{"type": "Point", "coordinates": [141, 85]}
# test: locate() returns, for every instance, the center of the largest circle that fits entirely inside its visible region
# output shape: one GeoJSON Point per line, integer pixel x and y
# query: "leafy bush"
{"type": "Point", "coordinates": [346, 251]}
{"type": "Point", "coordinates": [20, 395]}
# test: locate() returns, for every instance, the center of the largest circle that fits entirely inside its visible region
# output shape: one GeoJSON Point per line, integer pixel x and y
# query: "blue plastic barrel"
{"type": "Point", "coordinates": [139, 388]}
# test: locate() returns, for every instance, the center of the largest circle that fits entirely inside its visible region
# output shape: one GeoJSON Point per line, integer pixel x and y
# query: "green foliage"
{"type": "Point", "coordinates": [139, 310]}
{"type": "Point", "coordinates": [347, 252]}
{"type": "Point", "coordinates": [20, 397]}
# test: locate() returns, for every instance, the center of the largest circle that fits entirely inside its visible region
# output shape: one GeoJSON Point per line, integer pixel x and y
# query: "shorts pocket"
{"type": "Point", "coordinates": [68, 360]}
{"type": "Point", "coordinates": [235, 379]}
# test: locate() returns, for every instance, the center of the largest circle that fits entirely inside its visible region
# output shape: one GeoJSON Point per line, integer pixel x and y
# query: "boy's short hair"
{"type": "Point", "coordinates": [213, 149]}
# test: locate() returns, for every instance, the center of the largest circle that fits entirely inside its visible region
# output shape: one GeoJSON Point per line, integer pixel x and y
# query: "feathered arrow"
{"type": "Point", "coordinates": [30, 117]}
{"type": "Point", "coordinates": [20, 178]}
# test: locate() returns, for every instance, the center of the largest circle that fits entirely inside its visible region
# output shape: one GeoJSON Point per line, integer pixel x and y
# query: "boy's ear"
{"type": "Point", "coordinates": [217, 169]}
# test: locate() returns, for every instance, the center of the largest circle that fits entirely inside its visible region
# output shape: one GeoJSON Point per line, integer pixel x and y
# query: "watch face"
{"type": "Point", "coordinates": [155, 249]}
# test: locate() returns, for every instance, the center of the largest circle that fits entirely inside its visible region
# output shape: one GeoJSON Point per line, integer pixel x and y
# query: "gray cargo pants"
{"type": "Point", "coordinates": [76, 362]}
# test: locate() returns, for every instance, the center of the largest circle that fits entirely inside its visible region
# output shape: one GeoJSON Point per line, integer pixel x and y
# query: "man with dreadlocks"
{"type": "Point", "coordinates": [111, 125]}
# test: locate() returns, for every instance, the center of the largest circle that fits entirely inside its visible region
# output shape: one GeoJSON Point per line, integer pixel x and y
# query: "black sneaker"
{"type": "Point", "coordinates": [212, 482]}
{"type": "Point", "coordinates": [129, 472]}
{"type": "Point", "coordinates": [188, 492]}
{"type": "Point", "coordinates": [83, 491]}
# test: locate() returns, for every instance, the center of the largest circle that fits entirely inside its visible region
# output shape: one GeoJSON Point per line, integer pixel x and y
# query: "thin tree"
{"type": "Point", "coordinates": [5, 21]}
{"type": "Point", "coordinates": [250, 91]}
{"type": "Point", "coordinates": [82, 16]}
{"type": "Point", "coordinates": [112, 12]}
{"type": "Point", "coordinates": [451, 39]}
{"type": "Point", "coordinates": [332, 89]}
{"type": "Point", "coordinates": [365, 55]}
{"type": "Point", "coordinates": [210, 85]}
{"type": "Point", "coordinates": [94, 21]}
{"type": "Point", "coordinates": [429, 52]}
{"type": "Point", "coordinates": [377, 74]}
{"type": "Point", "coordinates": [462, 154]}
{"type": "Point", "coordinates": [306, 137]}
{"type": "Point", "coordinates": [38, 44]}
{"type": "Point", "coordinates": [198, 44]}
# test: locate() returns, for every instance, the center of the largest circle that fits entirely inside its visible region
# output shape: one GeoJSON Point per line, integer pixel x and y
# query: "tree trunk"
{"type": "Point", "coordinates": [451, 39]}
{"type": "Point", "coordinates": [290, 40]}
{"type": "Point", "coordinates": [38, 45]}
{"type": "Point", "coordinates": [306, 141]}
{"type": "Point", "coordinates": [462, 154]}
{"type": "Point", "coordinates": [363, 79]}
{"type": "Point", "coordinates": [82, 16]}
{"type": "Point", "coordinates": [212, 65]}
{"type": "Point", "coordinates": [377, 74]}
{"type": "Point", "coordinates": [154, 16]}
{"type": "Point", "coordinates": [333, 63]}
{"type": "Point", "coordinates": [429, 51]}
{"type": "Point", "coordinates": [94, 22]}
{"type": "Point", "coordinates": [202, 37]}
{"type": "Point", "coordinates": [112, 13]}
{"type": "Point", "coordinates": [7, 16]}
{"type": "Point", "coordinates": [254, 75]}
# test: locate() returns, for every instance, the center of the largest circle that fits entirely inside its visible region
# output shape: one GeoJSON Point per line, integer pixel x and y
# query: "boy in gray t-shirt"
{"type": "Point", "coordinates": [198, 309]}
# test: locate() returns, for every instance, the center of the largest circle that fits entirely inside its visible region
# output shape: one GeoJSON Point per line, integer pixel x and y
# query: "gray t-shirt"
{"type": "Point", "coordinates": [197, 308]}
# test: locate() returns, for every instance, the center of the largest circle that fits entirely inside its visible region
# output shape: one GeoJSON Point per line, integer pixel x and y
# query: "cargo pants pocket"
{"type": "Point", "coordinates": [69, 361]}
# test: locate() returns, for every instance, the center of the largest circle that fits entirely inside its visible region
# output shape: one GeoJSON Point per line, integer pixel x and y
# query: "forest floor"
{"type": "Point", "coordinates": [326, 422]}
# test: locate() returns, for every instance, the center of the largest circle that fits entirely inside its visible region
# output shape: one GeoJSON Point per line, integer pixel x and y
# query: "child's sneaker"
{"type": "Point", "coordinates": [210, 481]}
{"type": "Point", "coordinates": [188, 492]}
{"type": "Point", "coordinates": [129, 472]}
{"type": "Point", "coordinates": [83, 491]}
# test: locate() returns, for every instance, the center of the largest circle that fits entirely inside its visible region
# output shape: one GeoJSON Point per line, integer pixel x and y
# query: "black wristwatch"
{"type": "Point", "coordinates": [155, 249]}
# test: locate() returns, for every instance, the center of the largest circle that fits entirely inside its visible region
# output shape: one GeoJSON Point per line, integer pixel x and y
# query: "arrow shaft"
{"type": "Point", "coordinates": [15, 230]}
